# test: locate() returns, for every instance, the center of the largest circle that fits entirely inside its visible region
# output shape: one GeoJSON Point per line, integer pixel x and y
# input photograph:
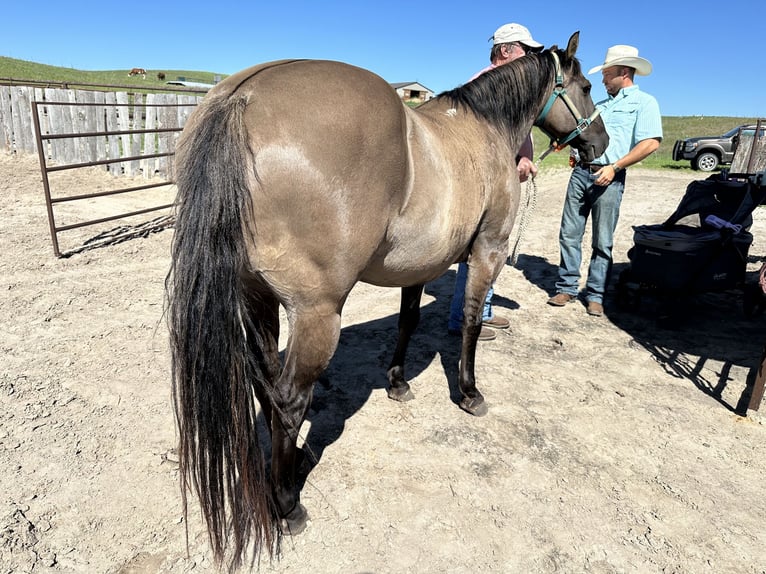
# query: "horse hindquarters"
{"type": "Point", "coordinates": [220, 347]}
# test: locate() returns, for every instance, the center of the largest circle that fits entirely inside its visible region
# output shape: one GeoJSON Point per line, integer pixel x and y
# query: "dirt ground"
{"type": "Point", "coordinates": [611, 444]}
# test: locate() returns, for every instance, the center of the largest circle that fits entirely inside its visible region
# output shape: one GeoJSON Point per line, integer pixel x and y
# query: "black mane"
{"type": "Point", "coordinates": [505, 96]}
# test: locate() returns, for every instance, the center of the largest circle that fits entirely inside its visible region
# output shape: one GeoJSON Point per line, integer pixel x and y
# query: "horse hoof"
{"type": "Point", "coordinates": [475, 406]}
{"type": "Point", "coordinates": [401, 394]}
{"type": "Point", "coordinates": [295, 522]}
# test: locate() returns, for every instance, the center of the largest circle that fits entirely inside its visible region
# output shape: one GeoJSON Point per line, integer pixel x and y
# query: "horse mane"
{"type": "Point", "coordinates": [506, 96]}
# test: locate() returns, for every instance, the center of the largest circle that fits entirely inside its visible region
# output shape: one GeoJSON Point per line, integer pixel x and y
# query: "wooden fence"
{"type": "Point", "coordinates": [125, 133]}
{"type": "Point", "coordinates": [119, 124]}
{"type": "Point", "coordinates": [750, 155]}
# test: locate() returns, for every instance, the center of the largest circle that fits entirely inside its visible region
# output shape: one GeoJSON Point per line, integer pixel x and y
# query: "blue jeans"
{"type": "Point", "coordinates": [584, 198]}
{"type": "Point", "coordinates": [458, 298]}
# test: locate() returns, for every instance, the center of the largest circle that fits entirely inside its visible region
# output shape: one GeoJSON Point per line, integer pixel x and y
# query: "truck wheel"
{"type": "Point", "coordinates": [706, 161]}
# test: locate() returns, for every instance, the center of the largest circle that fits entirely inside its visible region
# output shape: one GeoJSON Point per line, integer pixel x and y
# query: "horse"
{"type": "Point", "coordinates": [296, 179]}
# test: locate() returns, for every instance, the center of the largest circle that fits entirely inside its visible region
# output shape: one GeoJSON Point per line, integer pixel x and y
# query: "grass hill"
{"type": "Point", "coordinates": [11, 68]}
{"type": "Point", "coordinates": [674, 127]}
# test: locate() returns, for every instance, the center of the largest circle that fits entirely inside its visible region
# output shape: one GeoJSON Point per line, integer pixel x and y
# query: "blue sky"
{"type": "Point", "coordinates": [709, 58]}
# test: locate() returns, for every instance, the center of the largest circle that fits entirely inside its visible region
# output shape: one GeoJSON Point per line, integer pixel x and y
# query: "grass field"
{"type": "Point", "coordinates": [674, 127]}
{"type": "Point", "coordinates": [11, 68]}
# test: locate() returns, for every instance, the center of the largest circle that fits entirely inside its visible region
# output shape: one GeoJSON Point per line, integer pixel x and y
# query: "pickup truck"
{"type": "Point", "coordinates": [708, 152]}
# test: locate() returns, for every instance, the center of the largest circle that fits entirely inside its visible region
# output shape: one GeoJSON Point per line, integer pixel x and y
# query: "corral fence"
{"type": "Point", "coordinates": [124, 133]}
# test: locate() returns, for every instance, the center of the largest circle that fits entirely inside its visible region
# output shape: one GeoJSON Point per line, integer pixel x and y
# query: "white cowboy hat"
{"type": "Point", "coordinates": [622, 55]}
{"type": "Point", "coordinates": [514, 33]}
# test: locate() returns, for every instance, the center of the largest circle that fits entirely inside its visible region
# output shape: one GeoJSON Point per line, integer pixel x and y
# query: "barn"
{"type": "Point", "coordinates": [413, 91]}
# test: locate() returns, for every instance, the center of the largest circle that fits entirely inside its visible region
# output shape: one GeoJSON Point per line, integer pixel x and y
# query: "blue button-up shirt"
{"type": "Point", "coordinates": [630, 117]}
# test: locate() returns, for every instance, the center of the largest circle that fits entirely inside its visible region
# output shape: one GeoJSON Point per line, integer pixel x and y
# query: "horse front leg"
{"type": "Point", "coordinates": [480, 275]}
{"type": "Point", "coordinates": [409, 317]}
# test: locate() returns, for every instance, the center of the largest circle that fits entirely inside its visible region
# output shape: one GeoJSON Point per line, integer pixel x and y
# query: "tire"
{"type": "Point", "coordinates": [706, 161]}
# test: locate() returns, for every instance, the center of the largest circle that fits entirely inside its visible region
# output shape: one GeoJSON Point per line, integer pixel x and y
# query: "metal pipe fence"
{"type": "Point", "coordinates": [145, 145]}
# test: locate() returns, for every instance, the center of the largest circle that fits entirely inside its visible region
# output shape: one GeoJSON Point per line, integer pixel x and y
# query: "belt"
{"type": "Point", "coordinates": [591, 167]}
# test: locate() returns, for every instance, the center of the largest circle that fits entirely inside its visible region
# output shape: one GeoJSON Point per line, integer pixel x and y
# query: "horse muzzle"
{"type": "Point", "coordinates": [591, 144]}
{"type": "Point", "coordinates": [589, 152]}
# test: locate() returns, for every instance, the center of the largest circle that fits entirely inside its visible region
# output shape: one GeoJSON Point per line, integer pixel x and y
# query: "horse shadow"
{"type": "Point", "coordinates": [537, 270]}
{"type": "Point", "coordinates": [710, 330]}
{"type": "Point", "coordinates": [359, 365]}
{"type": "Point", "coordinates": [699, 337]}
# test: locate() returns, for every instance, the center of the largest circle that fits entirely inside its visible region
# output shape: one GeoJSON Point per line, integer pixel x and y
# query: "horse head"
{"type": "Point", "coordinates": [569, 115]}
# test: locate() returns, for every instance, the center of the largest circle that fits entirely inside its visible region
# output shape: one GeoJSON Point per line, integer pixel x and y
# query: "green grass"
{"type": "Point", "coordinates": [674, 127]}
{"type": "Point", "coordinates": [25, 70]}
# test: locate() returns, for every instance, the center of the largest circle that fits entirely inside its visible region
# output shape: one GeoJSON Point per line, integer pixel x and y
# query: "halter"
{"type": "Point", "coordinates": [560, 92]}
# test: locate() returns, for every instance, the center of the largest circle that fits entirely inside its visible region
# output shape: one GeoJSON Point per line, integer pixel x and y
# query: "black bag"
{"type": "Point", "coordinates": [730, 200]}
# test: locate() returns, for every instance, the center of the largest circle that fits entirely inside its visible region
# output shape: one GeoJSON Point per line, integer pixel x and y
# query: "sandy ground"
{"type": "Point", "coordinates": [611, 444]}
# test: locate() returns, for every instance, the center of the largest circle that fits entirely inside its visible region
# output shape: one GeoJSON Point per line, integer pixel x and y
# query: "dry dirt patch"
{"type": "Point", "coordinates": [610, 446]}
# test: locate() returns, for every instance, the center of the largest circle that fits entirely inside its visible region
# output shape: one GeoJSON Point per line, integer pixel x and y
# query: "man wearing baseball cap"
{"type": "Point", "coordinates": [509, 42]}
{"type": "Point", "coordinates": [510, 33]}
{"type": "Point", "coordinates": [634, 124]}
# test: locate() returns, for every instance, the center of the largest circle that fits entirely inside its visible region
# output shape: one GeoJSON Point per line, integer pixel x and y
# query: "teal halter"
{"type": "Point", "coordinates": [560, 92]}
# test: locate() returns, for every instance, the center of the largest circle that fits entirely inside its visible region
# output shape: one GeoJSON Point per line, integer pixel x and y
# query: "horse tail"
{"type": "Point", "coordinates": [213, 335]}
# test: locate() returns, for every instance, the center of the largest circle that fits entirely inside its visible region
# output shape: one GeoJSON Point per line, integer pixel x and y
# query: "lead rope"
{"type": "Point", "coordinates": [528, 205]}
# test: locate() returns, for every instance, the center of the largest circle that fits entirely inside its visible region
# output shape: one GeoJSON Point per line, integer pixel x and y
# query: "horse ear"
{"type": "Point", "coordinates": [574, 41]}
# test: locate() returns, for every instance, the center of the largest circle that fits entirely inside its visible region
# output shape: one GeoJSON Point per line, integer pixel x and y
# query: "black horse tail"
{"type": "Point", "coordinates": [215, 362]}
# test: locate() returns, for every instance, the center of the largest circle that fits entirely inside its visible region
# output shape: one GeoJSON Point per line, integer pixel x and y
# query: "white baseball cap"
{"type": "Point", "coordinates": [514, 33]}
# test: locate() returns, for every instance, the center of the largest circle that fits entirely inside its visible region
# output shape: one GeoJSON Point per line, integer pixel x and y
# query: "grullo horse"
{"type": "Point", "coordinates": [297, 179]}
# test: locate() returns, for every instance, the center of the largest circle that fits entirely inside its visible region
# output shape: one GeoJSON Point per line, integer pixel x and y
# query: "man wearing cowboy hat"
{"type": "Point", "coordinates": [634, 124]}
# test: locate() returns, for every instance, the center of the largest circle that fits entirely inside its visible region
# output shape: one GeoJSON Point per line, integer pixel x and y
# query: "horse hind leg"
{"type": "Point", "coordinates": [313, 340]}
{"type": "Point", "coordinates": [409, 317]}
